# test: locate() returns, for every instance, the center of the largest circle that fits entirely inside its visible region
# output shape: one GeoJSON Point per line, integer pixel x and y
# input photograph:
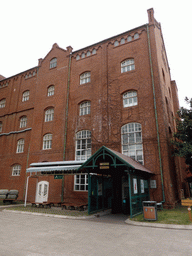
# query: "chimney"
{"type": "Point", "coordinates": [151, 16]}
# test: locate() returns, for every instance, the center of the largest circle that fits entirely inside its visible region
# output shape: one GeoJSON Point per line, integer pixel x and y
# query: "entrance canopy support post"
{"type": "Point", "coordinates": [26, 191]}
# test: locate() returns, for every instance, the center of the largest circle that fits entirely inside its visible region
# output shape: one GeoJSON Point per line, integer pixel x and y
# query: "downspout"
{"type": "Point", "coordinates": [156, 118]}
{"type": "Point", "coordinates": [67, 107]}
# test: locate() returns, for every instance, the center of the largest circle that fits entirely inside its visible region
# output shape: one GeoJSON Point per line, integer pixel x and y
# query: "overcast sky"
{"type": "Point", "coordinates": [28, 29]}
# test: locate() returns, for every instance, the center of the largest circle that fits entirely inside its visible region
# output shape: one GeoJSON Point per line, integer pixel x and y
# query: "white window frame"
{"type": "Point", "coordinates": [127, 65]}
{"type": "Point", "coordinates": [20, 146]}
{"type": "Point", "coordinates": [53, 63]}
{"type": "Point", "coordinates": [85, 78]}
{"type": "Point", "coordinates": [130, 99]}
{"type": "Point", "coordinates": [85, 108]}
{"type": "Point", "coordinates": [2, 103]}
{"type": "Point", "coordinates": [47, 141]}
{"type": "Point", "coordinates": [50, 90]}
{"type": "Point", "coordinates": [83, 145]}
{"type": "Point", "coordinates": [16, 170]}
{"type": "Point", "coordinates": [131, 141]}
{"type": "Point", "coordinates": [23, 122]}
{"type": "Point", "coordinates": [25, 96]}
{"type": "Point", "coordinates": [1, 126]}
{"type": "Point", "coordinates": [81, 182]}
{"type": "Point", "coordinates": [49, 114]}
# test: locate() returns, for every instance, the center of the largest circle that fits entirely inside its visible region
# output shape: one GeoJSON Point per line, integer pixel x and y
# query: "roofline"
{"type": "Point", "coordinates": [110, 38]}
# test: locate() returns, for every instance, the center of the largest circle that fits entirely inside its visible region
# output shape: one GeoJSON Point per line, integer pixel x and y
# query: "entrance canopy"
{"type": "Point", "coordinates": [106, 160]}
{"type": "Point", "coordinates": [61, 167]}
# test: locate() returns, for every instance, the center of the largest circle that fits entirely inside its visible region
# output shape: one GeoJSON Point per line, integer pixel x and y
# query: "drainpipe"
{"type": "Point", "coordinates": [156, 118]}
{"type": "Point", "coordinates": [67, 107]}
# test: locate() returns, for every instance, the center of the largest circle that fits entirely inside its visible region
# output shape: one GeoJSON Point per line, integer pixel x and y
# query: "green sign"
{"type": "Point", "coordinates": [58, 177]}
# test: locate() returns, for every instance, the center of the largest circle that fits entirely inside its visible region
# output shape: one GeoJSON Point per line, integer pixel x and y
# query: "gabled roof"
{"type": "Point", "coordinates": [125, 160]}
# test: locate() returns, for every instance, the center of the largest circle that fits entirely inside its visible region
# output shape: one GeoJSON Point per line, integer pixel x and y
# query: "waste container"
{"type": "Point", "coordinates": [150, 210]}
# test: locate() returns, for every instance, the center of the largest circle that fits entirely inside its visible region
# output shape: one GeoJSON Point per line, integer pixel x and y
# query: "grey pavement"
{"type": "Point", "coordinates": [37, 235]}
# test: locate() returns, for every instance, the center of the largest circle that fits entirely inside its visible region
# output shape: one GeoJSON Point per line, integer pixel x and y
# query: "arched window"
{"type": "Point", "coordinates": [85, 78]}
{"type": "Point", "coordinates": [85, 108]}
{"type": "Point", "coordinates": [25, 96]}
{"type": "Point", "coordinates": [2, 103]}
{"type": "Point", "coordinates": [53, 63]}
{"type": "Point", "coordinates": [49, 114]}
{"type": "Point", "coordinates": [129, 38]}
{"type": "Point", "coordinates": [1, 126]}
{"type": "Point", "coordinates": [23, 121]}
{"type": "Point", "coordinates": [94, 51]}
{"type": "Point", "coordinates": [16, 170]}
{"type": "Point", "coordinates": [50, 90]}
{"type": "Point", "coordinates": [83, 145]}
{"type": "Point", "coordinates": [116, 43]}
{"type": "Point", "coordinates": [136, 36]}
{"type": "Point", "coordinates": [88, 53]}
{"type": "Point", "coordinates": [131, 141]}
{"type": "Point", "coordinates": [20, 146]}
{"type": "Point", "coordinates": [122, 40]}
{"type": "Point", "coordinates": [47, 141]}
{"type": "Point", "coordinates": [129, 99]}
{"type": "Point", "coordinates": [127, 65]}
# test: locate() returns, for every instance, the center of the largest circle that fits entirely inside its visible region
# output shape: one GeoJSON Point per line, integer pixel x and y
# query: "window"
{"type": "Point", "coordinates": [1, 126]}
{"type": "Point", "coordinates": [129, 99]}
{"type": "Point", "coordinates": [129, 38]}
{"type": "Point", "coordinates": [47, 141]}
{"type": "Point", "coordinates": [116, 43]}
{"type": "Point", "coordinates": [83, 145]}
{"type": "Point", "coordinates": [51, 90]}
{"type": "Point", "coordinates": [78, 57]}
{"type": "Point", "coordinates": [122, 40]}
{"type": "Point", "coordinates": [94, 51]}
{"type": "Point", "coordinates": [88, 53]}
{"type": "Point", "coordinates": [49, 114]}
{"type": "Point", "coordinates": [127, 65]}
{"type": "Point", "coordinates": [83, 55]}
{"type": "Point", "coordinates": [2, 103]}
{"type": "Point", "coordinates": [16, 170]}
{"type": "Point", "coordinates": [25, 96]}
{"type": "Point", "coordinates": [85, 108]}
{"type": "Point", "coordinates": [131, 141]}
{"type": "Point", "coordinates": [23, 121]}
{"type": "Point", "coordinates": [53, 63]}
{"type": "Point", "coordinates": [81, 182]}
{"type": "Point", "coordinates": [85, 78]}
{"type": "Point", "coordinates": [136, 36]}
{"type": "Point", "coordinates": [20, 146]}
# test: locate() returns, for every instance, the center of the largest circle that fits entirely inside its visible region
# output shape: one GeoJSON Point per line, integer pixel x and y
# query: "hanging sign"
{"type": "Point", "coordinates": [104, 165]}
{"type": "Point", "coordinates": [58, 177]}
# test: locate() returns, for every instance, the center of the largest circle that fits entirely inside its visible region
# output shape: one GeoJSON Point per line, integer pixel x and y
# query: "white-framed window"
{"type": "Point", "coordinates": [122, 40]}
{"type": "Point", "coordinates": [88, 53]}
{"type": "Point", "coordinates": [116, 43]}
{"type": "Point", "coordinates": [94, 51]}
{"type": "Point", "coordinates": [47, 141]}
{"type": "Point", "coordinates": [77, 57]}
{"type": "Point", "coordinates": [2, 103]}
{"type": "Point", "coordinates": [20, 146]}
{"type": "Point", "coordinates": [130, 99]}
{"type": "Point", "coordinates": [83, 55]}
{"type": "Point", "coordinates": [127, 65]}
{"type": "Point", "coordinates": [16, 170]}
{"type": "Point", "coordinates": [49, 114]}
{"type": "Point", "coordinates": [50, 90]}
{"type": "Point", "coordinates": [53, 63]}
{"type": "Point", "coordinates": [81, 182]}
{"type": "Point", "coordinates": [1, 126]}
{"type": "Point", "coordinates": [131, 141]}
{"type": "Point", "coordinates": [85, 78]}
{"type": "Point", "coordinates": [25, 96]}
{"type": "Point", "coordinates": [85, 108]}
{"type": "Point", "coordinates": [23, 122]}
{"type": "Point", "coordinates": [83, 145]}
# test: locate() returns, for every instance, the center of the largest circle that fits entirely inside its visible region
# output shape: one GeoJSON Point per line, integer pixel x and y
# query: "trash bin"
{"type": "Point", "coordinates": [150, 210]}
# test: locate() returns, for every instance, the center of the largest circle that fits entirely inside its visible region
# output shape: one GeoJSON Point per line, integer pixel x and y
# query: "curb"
{"type": "Point", "coordinates": [158, 225]}
{"type": "Point", "coordinates": [63, 216]}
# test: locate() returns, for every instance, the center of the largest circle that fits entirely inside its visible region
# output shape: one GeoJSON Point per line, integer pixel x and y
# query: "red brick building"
{"type": "Point", "coordinates": [117, 93]}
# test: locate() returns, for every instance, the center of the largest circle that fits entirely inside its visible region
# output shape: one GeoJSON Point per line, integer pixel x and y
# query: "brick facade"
{"type": "Point", "coordinates": [155, 111]}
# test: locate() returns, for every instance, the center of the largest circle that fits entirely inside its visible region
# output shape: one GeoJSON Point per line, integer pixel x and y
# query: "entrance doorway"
{"type": "Point", "coordinates": [42, 192]}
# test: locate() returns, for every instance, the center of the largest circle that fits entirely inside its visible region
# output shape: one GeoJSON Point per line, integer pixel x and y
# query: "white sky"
{"type": "Point", "coordinates": [28, 29]}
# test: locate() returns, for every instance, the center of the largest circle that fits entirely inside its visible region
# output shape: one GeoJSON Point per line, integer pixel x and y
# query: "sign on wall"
{"type": "Point", "coordinates": [135, 190]}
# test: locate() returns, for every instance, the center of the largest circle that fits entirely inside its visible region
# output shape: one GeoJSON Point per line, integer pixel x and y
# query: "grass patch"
{"type": "Point", "coordinates": [52, 210]}
{"type": "Point", "coordinates": [178, 216]}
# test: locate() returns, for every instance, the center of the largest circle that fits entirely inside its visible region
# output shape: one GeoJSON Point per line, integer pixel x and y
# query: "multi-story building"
{"type": "Point", "coordinates": [116, 93]}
